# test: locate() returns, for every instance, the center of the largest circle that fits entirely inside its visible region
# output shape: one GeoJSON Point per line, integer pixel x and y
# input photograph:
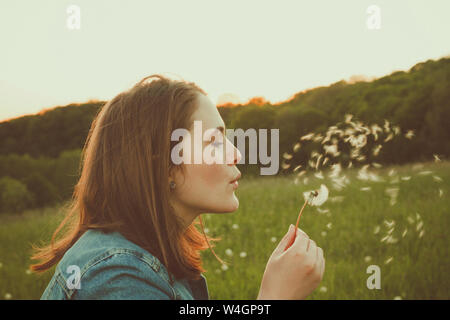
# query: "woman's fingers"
{"type": "Point", "coordinates": [321, 261]}
{"type": "Point", "coordinates": [301, 241]}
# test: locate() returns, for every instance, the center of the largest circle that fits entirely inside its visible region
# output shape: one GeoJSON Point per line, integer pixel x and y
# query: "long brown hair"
{"type": "Point", "coordinates": [124, 185]}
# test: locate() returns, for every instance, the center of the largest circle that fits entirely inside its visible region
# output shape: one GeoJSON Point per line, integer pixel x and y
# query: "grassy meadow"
{"type": "Point", "coordinates": [349, 227]}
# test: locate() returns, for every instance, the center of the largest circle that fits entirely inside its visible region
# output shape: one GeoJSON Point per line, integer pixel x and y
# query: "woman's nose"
{"type": "Point", "coordinates": [236, 155]}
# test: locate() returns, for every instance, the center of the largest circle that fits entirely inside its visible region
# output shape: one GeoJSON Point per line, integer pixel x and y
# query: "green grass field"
{"type": "Point", "coordinates": [418, 268]}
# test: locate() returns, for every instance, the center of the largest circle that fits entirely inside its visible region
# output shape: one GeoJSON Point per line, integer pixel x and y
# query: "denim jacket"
{"type": "Point", "coordinates": [108, 266]}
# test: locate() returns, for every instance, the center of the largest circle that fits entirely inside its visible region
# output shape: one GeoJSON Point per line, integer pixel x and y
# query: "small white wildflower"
{"type": "Point", "coordinates": [397, 298]}
{"type": "Point", "coordinates": [421, 233]}
{"type": "Point", "coordinates": [323, 233]}
{"type": "Point", "coordinates": [273, 239]}
{"type": "Point", "coordinates": [243, 254]}
{"type": "Point", "coordinates": [206, 230]}
{"type": "Point", "coordinates": [8, 296]}
{"type": "Point", "coordinates": [329, 225]}
{"type": "Point", "coordinates": [229, 252]}
{"type": "Point", "coordinates": [367, 259]}
{"type": "Point", "coordinates": [437, 178]}
{"type": "Point", "coordinates": [365, 188]}
{"type": "Point", "coordinates": [28, 271]}
{"type": "Point", "coordinates": [224, 267]}
{"type": "Point", "coordinates": [235, 226]}
{"type": "Point", "coordinates": [323, 289]}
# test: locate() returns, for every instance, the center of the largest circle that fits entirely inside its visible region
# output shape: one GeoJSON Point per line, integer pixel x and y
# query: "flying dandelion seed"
{"type": "Point", "coordinates": [287, 156]}
{"type": "Point", "coordinates": [297, 147]}
{"type": "Point", "coordinates": [376, 229]}
{"type": "Point", "coordinates": [285, 166]}
{"type": "Point", "coordinates": [391, 240]}
{"type": "Point", "coordinates": [410, 220]}
{"type": "Point", "coordinates": [325, 161]}
{"type": "Point", "coordinates": [389, 137]}
{"type": "Point", "coordinates": [386, 126]}
{"type": "Point", "coordinates": [396, 130]}
{"type": "Point", "coordinates": [318, 175]}
{"type": "Point", "coordinates": [419, 226]}
{"type": "Point", "coordinates": [307, 136]}
{"type": "Point", "coordinates": [337, 199]}
{"type": "Point", "coordinates": [301, 173]}
{"type": "Point", "coordinates": [409, 134]}
{"type": "Point", "coordinates": [388, 260]}
{"type": "Point", "coordinates": [437, 178]}
{"type": "Point", "coordinates": [421, 233]}
{"type": "Point", "coordinates": [376, 165]}
{"type": "Point", "coordinates": [418, 216]}
{"type": "Point", "coordinates": [243, 254]}
{"type": "Point", "coordinates": [389, 224]}
{"type": "Point", "coordinates": [322, 210]}
{"type": "Point", "coordinates": [273, 239]}
{"type": "Point", "coordinates": [394, 180]}
{"type": "Point", "coordinates": [404, 233]}
{"type": "Point", "coordinates": [391, 172]}
{"type": "Point", "coordinates": [367, 259]}
{"type": "Point", "coordinates": [297, 167]}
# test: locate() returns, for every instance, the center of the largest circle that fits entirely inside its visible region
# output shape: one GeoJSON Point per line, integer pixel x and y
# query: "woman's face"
{"type": "Point", "coordinates": [207, 188]}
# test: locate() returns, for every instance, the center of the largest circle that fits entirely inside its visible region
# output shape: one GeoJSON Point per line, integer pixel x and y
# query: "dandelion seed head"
{"type": "Point", "coordinates": [318, 199]}
{"type": "Point", "coordinates": [229, 252]}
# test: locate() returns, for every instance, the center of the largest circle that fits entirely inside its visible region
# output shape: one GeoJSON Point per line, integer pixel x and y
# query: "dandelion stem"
{"type": "Point", "coordinates": [300, 214]}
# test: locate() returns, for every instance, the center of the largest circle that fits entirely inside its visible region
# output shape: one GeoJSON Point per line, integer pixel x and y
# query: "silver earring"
{"type": "Point", "coordinates": [172, 185]}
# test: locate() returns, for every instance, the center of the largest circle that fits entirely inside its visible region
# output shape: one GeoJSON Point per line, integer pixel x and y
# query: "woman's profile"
{"type": "Point", "coordinates": [131, 229]}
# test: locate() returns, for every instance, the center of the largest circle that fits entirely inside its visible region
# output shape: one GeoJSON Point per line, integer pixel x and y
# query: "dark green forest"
{"type": "Point", "coordinates": [39, 154]}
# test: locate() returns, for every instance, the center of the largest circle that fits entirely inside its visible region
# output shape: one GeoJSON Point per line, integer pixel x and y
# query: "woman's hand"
{"type": "Point", "coordinates": [292, 273]}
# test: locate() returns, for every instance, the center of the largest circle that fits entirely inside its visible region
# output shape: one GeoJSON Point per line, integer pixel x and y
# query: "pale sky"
{"type": "Point", "coordinates": [248, 48]}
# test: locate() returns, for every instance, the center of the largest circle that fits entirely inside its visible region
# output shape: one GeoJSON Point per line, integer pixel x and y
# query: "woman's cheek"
{"type": "Point", "coordinates": [209, 175]}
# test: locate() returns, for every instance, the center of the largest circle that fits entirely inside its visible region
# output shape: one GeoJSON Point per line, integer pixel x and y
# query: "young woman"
{"type": "Point", "coordinates": [131, 228]}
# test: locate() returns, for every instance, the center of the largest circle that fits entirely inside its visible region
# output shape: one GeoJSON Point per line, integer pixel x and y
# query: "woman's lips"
{"type": "Point", "coordinates": [235, 184]}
